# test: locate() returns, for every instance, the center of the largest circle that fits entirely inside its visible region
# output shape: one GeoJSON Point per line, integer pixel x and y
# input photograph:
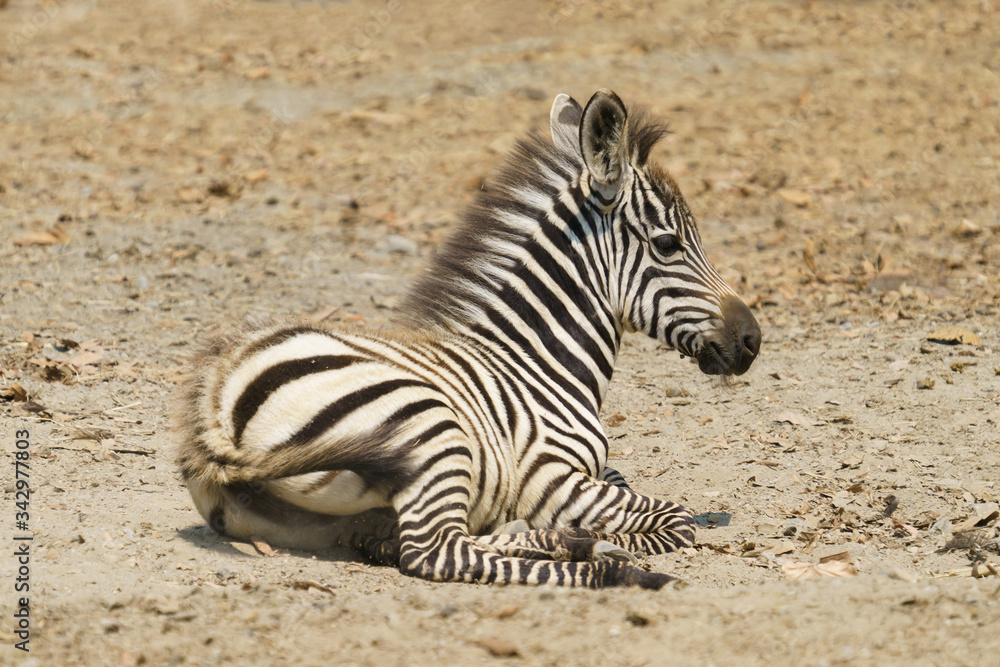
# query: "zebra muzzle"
{"type": "Point", "coordinates": [732, 348]}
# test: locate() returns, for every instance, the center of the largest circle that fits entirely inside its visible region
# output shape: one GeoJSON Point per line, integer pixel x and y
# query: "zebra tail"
{"type": "Point", "coordinates": [209, 453]}
{"type": "Point", "coordinates": [372, 456]}
{"type": "Point", "coordinates": [233, 488]}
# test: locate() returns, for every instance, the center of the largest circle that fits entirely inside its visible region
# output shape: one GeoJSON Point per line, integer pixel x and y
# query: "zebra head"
{"type": "Point", "coordinates": [661, 281]}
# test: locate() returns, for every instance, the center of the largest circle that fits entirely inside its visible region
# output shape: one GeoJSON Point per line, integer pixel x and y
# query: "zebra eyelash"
{"type": "Point", "coordinates": [667, 244]}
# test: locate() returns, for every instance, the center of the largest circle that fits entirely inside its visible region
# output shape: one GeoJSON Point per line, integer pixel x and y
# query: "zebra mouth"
{"type": "Point", "coordinates": [713, 359]}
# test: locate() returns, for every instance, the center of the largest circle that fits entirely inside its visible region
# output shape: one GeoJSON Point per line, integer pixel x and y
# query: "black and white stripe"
{"type": "Point", "coordinates": [465, 445]}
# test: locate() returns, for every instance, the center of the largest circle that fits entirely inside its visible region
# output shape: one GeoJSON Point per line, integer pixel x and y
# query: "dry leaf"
{"type": "Point", "coordinates": [92, 447]}
{"type": "Point", "coordinates": [383, 117]}
{"type": "Point", "coordinates": [256, 175]}
{"type": "Point", "coordinates": [108, 449]}
{"type": "Point", "coordinates": [259, 73]}
{"type": "Point", "coordinates": [306, 584]}
{"type": "Point", "coordinates": [795, 419]}
{"type": "Point", "coordinates": [799, 571]}
{"type": "Point", "coordinates": [836, 569]}
{"type": "Point", "coordinates": [840, 557]}
{"type": "Point", "coordinates": [507, 611]}
{"type": "Point", "coordinates": [67, 344]}
{"type": "Point", "coordinates": [809, 256]}
{"type": "Point", "coordinates": [322, 314]}
{"type": "Point", "coordinates": [264, 548]}
{"type": "Point", "coordinates": [952, 335]}
{"type": "Point", "coordinates": [191, 195]}
{"type": "Point", "coordinates": [51, 237]}
{"type": "Point", "coordinates": [800, 198]}
{"type": "Point", "coordinates": [810, 571]}
{"type": "Point", "coordinates": [501, 648]}
{"type": "Point", "coordinates": [388, 303]}
{"type": "Point", "coordinates": [83, 149]}
{"type": "Point", "coordinates": [14, 392]}
{"type": "Point", "coordinates": [978, 570]}
{"type": "Point", "coordinates": [982, 569]}
{"type": "Point", "coordinates": [51, 371]}
{"type": "Point", "coordinates": [637, 619]}
{"type": "Point", "coordinates": [85, 358]}
{"type": "Point", "coordinates": [222, 189]}
{"type": "Point", "coordinates": [899, 365]}
{"type": "Point", "coordinates": [91, 433]}
{"type": "Point", "coordinates": [616, 419]}
{"type": "Point", "coordinates": [983, 520]}
{"type": "Point", "coordinates": [852, 461]}
{"type": "Point", "coordinates": [967, 228]}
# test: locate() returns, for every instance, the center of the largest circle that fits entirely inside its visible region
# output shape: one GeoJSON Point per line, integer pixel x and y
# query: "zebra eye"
{"type": "Point", "coordinates": [666, 244]}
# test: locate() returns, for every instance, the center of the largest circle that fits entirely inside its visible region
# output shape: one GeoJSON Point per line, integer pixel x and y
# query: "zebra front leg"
{"type": "Point", "coordinates": [585, 507]}
{"type": "Point", "coordinates": [518, 540]}
{"type": "Point", "coordinates": [435, 543]}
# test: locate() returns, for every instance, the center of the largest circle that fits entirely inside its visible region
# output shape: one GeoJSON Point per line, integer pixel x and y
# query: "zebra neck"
{"type": "Point", "coordinates": [540, 301]}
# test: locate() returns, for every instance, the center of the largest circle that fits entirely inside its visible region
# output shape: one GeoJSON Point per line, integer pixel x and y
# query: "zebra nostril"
{"type": "Point", "coordinates": [751, 343]}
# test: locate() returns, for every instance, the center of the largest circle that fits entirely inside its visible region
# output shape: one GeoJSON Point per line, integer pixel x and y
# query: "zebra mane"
{"type": "Point", "coordinates": [644, 132]}
{"type": "Point", "coordinates": [502, 219]}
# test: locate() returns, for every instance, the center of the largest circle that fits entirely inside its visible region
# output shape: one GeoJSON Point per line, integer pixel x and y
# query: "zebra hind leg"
{"type": "Point", "coordinates": [516, 539]}
{"type": "Point", "coordinates": [613, 477]}
{"type": "Point", "coordinates": [381, 551]}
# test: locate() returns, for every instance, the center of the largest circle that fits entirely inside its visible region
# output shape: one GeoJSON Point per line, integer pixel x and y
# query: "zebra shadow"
{"type": "Point", "coordinates": [204, 538]}
{"type": "Point", "coordinates": [712, 519]}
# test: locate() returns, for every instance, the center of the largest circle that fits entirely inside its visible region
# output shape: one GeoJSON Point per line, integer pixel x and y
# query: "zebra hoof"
{"type": "Point", "coordinates": [607, 551]}
{"type": "Point", "coordinates": [513, 528]}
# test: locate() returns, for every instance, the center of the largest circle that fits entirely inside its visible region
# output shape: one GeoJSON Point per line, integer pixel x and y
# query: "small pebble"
{"type": "Point", "coordinates": [793, 526]}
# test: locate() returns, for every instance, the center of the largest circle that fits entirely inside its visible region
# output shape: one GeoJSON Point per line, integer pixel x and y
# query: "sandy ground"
{"type": "Point", "coordinates": [172, 168]}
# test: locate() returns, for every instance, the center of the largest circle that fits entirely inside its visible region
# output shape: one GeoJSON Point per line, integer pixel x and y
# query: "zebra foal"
{"type": "Point", "coordinates": [465, 445]}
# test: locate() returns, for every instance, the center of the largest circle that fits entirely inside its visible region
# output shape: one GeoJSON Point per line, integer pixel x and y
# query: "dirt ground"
{"type": "Point", "coordinates": [171, 167]}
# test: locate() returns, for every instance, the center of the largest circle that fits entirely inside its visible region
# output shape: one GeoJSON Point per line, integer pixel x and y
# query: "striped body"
{"type": "Point", "coordinates": [466, 444]}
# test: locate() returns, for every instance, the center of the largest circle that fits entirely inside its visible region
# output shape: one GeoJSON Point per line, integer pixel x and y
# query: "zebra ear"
{"type": "Point", "coordinates": [602, 140]}
{"type": "Point", "coordinates": [564, 122]}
